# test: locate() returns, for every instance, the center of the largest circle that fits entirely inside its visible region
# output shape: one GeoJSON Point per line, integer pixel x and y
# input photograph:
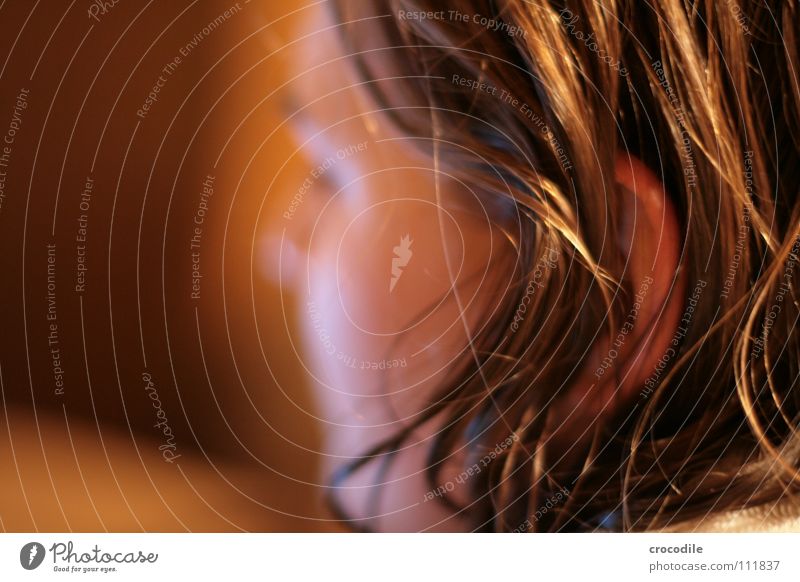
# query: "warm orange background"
{"type": "Point", "coordinates": [89, 459]}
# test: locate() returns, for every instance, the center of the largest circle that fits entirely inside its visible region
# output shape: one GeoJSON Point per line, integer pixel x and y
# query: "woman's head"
{"type": "Point", "coordinates": [625, 176]}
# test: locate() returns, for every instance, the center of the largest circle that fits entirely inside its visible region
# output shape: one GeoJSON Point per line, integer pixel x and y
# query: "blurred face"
{"type": "Point", "coordinates": [394, 266]}
{"type": "Point", "coordinates": [384, 257]}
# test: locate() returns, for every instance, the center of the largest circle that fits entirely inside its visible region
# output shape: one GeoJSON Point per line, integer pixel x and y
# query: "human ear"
{"type": "Point", "coordinates": [622, 360]}
{"type": "Point", "coordinates": [651, 242]}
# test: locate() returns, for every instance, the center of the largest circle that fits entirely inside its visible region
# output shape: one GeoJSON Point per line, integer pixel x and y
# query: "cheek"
{"type": "Point", "coordinates": [372, 273]}
{"type": "Point", "coordinates": [380, 322]}
{"type": "Point", "coordinates": [351, 329]}
{"type": "Point", "coordinates": [366, 285]}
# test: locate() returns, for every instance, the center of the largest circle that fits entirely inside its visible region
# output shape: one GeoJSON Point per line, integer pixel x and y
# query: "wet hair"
{"type": "Point", "coordinates": [706, 95]}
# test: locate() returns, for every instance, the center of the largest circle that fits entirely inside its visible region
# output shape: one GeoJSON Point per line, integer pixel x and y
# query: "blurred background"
{"type": "Point", "coordinates": [148, 382]}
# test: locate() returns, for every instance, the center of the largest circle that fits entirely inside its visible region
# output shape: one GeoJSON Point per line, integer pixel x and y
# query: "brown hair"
{"type": "Point", "coordinates": [706, 95]}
